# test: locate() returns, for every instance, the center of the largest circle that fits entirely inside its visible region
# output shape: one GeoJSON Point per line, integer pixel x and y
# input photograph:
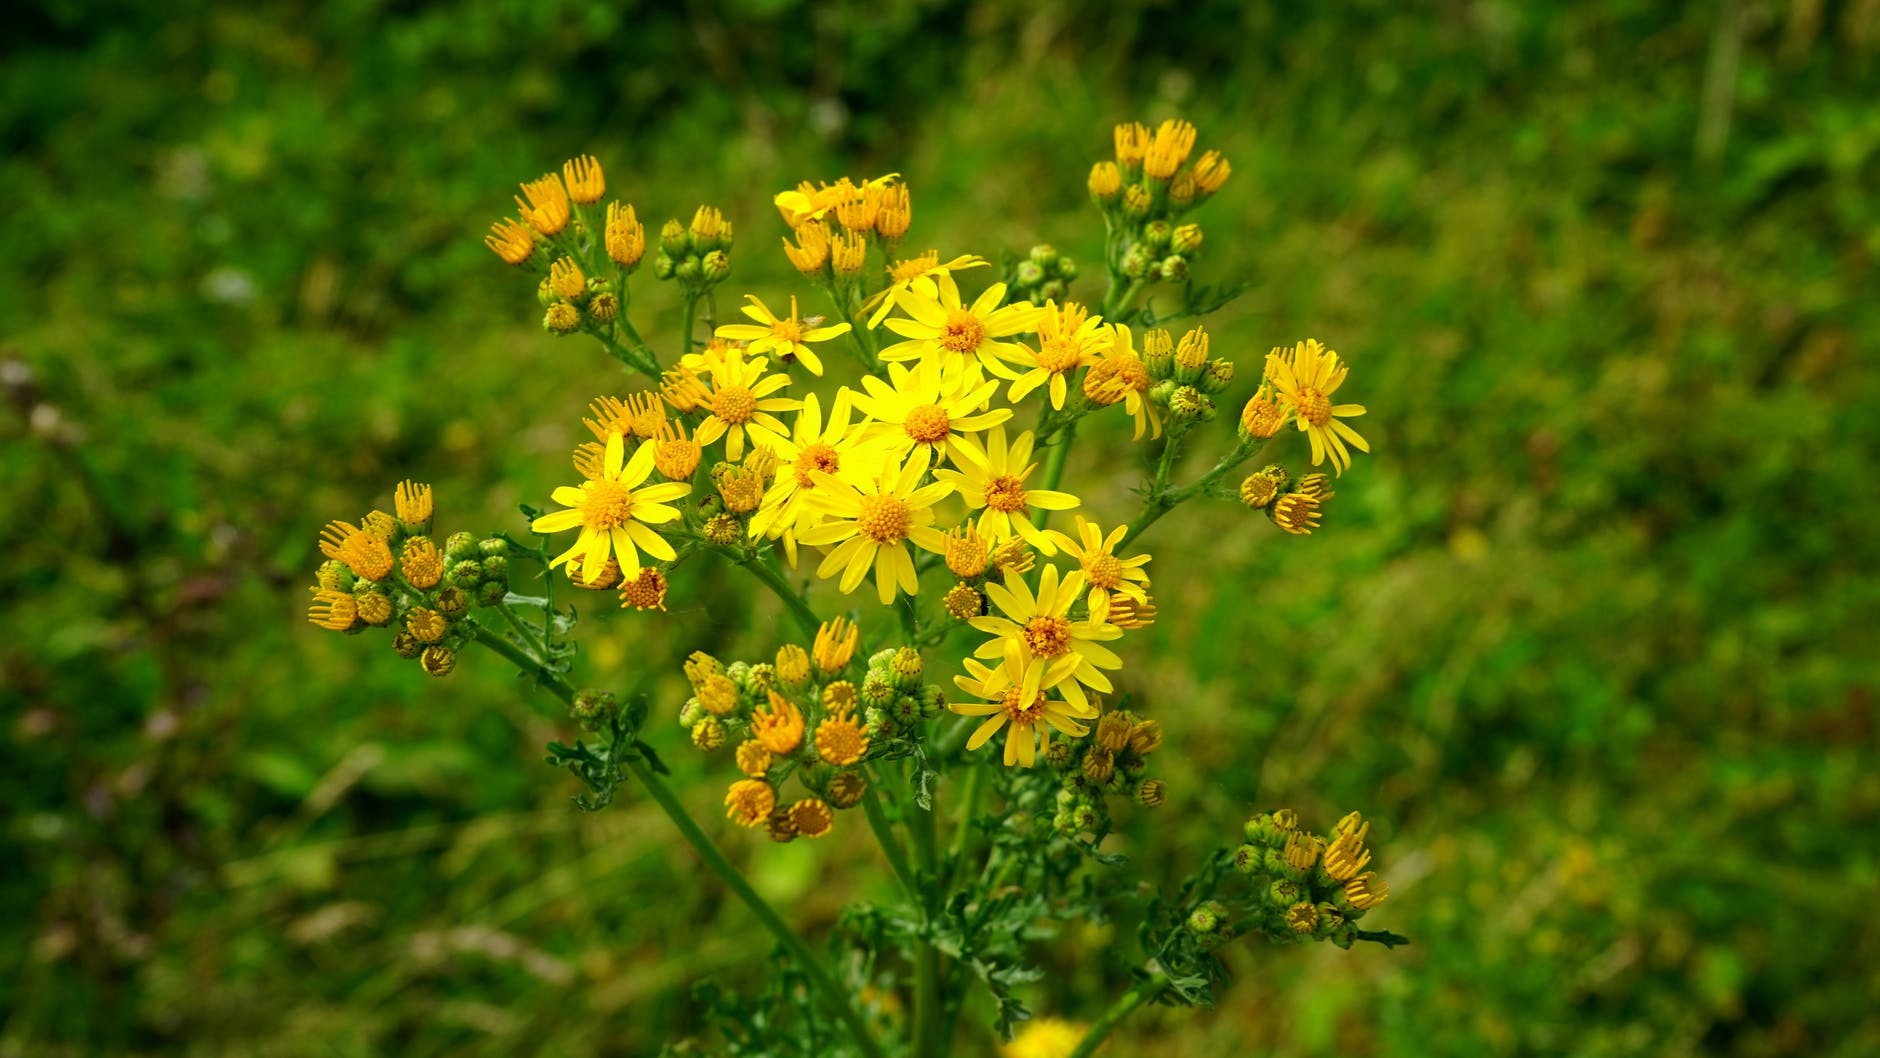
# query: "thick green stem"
{"type": "Point", "coordinates": [1123, 308]}
{"type": "Point", "coordinates": [1054, 466]}
{"type": "Point", "coordinates": [685, 324]}
{"type": "Point", "coordinates": [835, 999]}
{"type": "Point", "coordinates": [1145, 990]}
{"type": "Point", "coordinates": [927, 1012]}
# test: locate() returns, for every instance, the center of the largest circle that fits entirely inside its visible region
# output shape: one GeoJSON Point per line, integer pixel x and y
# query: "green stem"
{"type": "Point", "coordinates": [963, 829]}
{"type": "Point", "coordinates": [927, 1012]}
{"type": "Point", "coordinates": [884, 836]}
{"type": "Point", "coordinates": [685, 324]}
{"type": "Point", "coordinates": [1122, 308]}
{"type": "Point", "coordinates": [1054, 465]}
{"type": "Point", "coordinates": [1145, 990]}
{"type": "Point", "coordinates": [1163, 500]}
{"type": "Point", "coordinates": [833, 996]}
{"type": "Point", "coordinates": [528, 634]}
{"type": "Point", "coordinates": [772, 578]}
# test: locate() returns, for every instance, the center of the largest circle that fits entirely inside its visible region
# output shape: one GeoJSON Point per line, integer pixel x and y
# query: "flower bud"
{"type": "Point", "coordinates": [561, 318]}
{"type": "Point", "coordinates": [593, 707]}
{"type": "Point", "coordinates": [1185, 239]}
{"type": "Point", "coordinates": [846, 789]}
{"type": "Point", "coordinates": [672, 240]}
{"type": "Point", "coordinates": [708, 734]}
{"type": "Point", "coordinates": [492, 593]}
{"type": "Point", "coordinates": [963, 603]}
{"type": "Point", "coordinates": [716, 266]}
{"type": "Point", "coordinates": [1106, 182]}
{"type": "Point", "coordinates": [1136, 201]}
{"type": "Point", "coordinates": [904, 668]}
{"type": "Point", "coordinates": [1156, 235]}
{"type": "Point", "coordinates": [663, 268]}
{"type": "Point", "coordinates": [567, 280]}
{"type": "Point", "coordinates": [1158, 353]}
{"type": "Point", "coordinates": [438, 660]}
{"type": "Point", "coordinates": [625, 237]}
{"type": "Point", "coordinates": [1029, 274]}
{"type": "Point", "coordinates": [604, 308]}
{"type": "Point", "coordinates": [1044, 255]}
{"type": "Point", "coordinates": [1191, 356]}
{"type": "Point", "coordinates": [1217, 376]}
{"type": "Point", "coordinates": [1152, 792]}
{"type": "Point", "coordinates": [1066, 268]}
{"type": "Point", "coordinates": [453, 603]}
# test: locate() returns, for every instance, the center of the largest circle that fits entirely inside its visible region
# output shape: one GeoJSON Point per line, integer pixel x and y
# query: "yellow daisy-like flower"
{"type": "Point", "coordinates": [1068, 338]}
{"type": "Point", "coordinates": [832, 446]}
{"type": "Point", "coordinates": [1017, 695]}
{"type": "Point", "coordinates": [1040, 624]}
{"type": "Point", "coordinates": [615, 510]}
{"type": "Point", "coordinates": [944, 328]}
{"type": "Point", "coordinates": [1105, 572]}
{"type": "Point", "coordinates": [917, 274]}
{"type": "Point", "coordinates": [992, 481]}
{"type": "Point", "coordinates": [1118, 375]}
{"type": "Point", "coordinates": [874, 522]}
{"type": "Point", "coordinates": [738, 398]}
{"type": "Point", "coordinates": [749, 802]}
{"type": "Point", "coordinates": [1306, 376]}
{"type": "Point", "coordinates": [931, 405]}
{"type": "Point", "coordinates": [786, 335]}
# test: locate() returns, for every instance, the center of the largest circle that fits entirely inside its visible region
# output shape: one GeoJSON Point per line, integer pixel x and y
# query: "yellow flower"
{"type": "Point", "coordinates": [840, 740]}
{"type": "Point", "coordinates": [811, 817]}
{"type": "Point", "coordinates": [786, 335]}
{"type": "Point", "coordinates": [808, 202]}
{"type": "Point", "coordinates": [1068, 338]}
{"type": "Point", "coordinates": [365, 553]}
{"type": "Point", "coordinates": [916, 274]}
{"type": "Point", "coordinates": [1102, 569]}
{"type": "Point", "coordinates": [931, 405]}
{"type": "Point", "coordinates": [1017, 694]}
{"type": "Point", "coordinates": [872, 524]}
{"type": "Point", "coordinates": [829, 446]}
{"type": "Point", "coordinates": [625, 235]}
{"type": "Point", "coordinates": [944, 328]}
{"type": "Point", "coordinates": [739, 401]}
{"type": "Point", "coordinates": [1211, 171]}
{"type": "Point", "coordinates": [583, 176]}
{"type": "Point", "coordinates": [749, 801]}
{"type": "Point", "coordinates": [334, 610]}
{"type": "Point", "coordinates": [1045, 1038]}
{"type": "Point", "coordinates": [1132, 143]}
{"type": "Point", "coordinates": [835, 644]}
{"type": "Point", "coordinates": [1366, 891]}
{"type": "Point", "coordinates": [513, 241]}
{"type": "Point", "coordinates": [1119, 375]}
{"type": "Point", "coordinates": [413, 502]}
{"type": "Point", "coordinates": [992, 481]}
{"type": "Point", "coordinates": [1173, 140]}
{"type": "Point", "coordinates": [614, 511]}
{"type": "Point", "coordinates": [1040, 626]}
{"type": "Point", "coordinates": [644, 592]}
{"type": "Point", "coordinates": [547, 207]}
{"type": "Point", "coordinates": [1296, 512]}
{"type": "Point", "coordinates": [780, 727]}
{"type": "Point", "coordinates": [811, 253]}
{"type": "Point", "coordinates": [1306, 376]}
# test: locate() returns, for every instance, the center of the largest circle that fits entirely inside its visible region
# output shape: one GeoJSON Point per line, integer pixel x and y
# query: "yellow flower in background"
{"type": "Point", "coordinates": [1306, 376]}
{"type": "Point", "coordinates": [808, 202]}
{"type": "Point", "coordinates": [940, 326]}
{"type": "Point", "coordinates": [1017, 700]}
{"type": "Point", "coordinates": [614, 511]}
{"type": "Point", "coordinates": [832, 446]}
{"type": "Point", "coordinates": [1045, 1038]}
{"type": "Point", "coordinates": [930, 406]}
{"type": "Point", "coordinates": [1105, 572]}
{"type": "Point", "coordinates": [992, 481]}
{"type": "Point", "coordinates": [873, 521]}
{"type": "Point", "coordinates": [738, 398]}
{"type": "Point", "coordinates": [1118, 375]}
{"type": "Point", "coordinates": [916, 274]}
{"type": "Point", "coordinates": [1040, 625]}
{"type": "Point", "coordinates": [787, 336]}
{"type": "Point", "coordinates": [1068, 338]}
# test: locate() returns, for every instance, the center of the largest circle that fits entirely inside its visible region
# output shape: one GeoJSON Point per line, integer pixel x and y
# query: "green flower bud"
{"type": "Point", "coordinates": [716, 266]}
{"type": "Point", "coordinates": [1137, 262]}
{"type": "Point", "coordinates": [1044, 255]}
{"type": "Point", "coordinates": [1186, 239]}
{"type": "Point", "coordinates": [904, 667]}
{"type": "Point", "coordinates": [878, 690]}
{"type": "Point", "coordinates": [1185, 403]}
{"type": "Point", "coordinates": [1218, 375]}
{"type": "Point", "coordinates": [1202, 920]}
{"type": "Point", "coordinates": [1175, 267]}
{"type": "Point", "coordinates": [561, 318]}
{"type": "Point", "coordinates": [545, 293]}
{"type": "Point", "coordinates": [465, 572]}
{"type": "Point", "coordinates": [691, 713]}
{"type": "Point", "coordinates": [690, 270]}
{"type": "Point", "coordinates": [672, 239]}
{"type": "Point", "coordinates": [453, 603]}
{"type": "Point", "coordinates": [494, 545]}
{"type": "Point", "coordinates": [1248, 859]}
{"type": "Point", "coordinates": [496, 567]}
{"type": "Point", "coordinates": [1164, 391]}
{"type": "Point", "coordinates": [906, 710]}
{"type": "Point", "coordinates": [603, 308]}
{"type": "Point", "coordinates": [1156, 234]}
{"type": "Point", "coordinates": [438, 660]}
{"type": "Point", "coordinates": [1066, 269]}
{"type": "Point", "coordinates": [461, 546]}
{"type": "Point", "coordinates": [407, 645]}
{"type": "Point", "coordinates": [663, 268]}
{"type": "Point", "coordinates": [1054, 289]}
{"type": "Point", "coordinates": [881, 659]}
{"type": "Point", "coordinates": [1029, 274]}
{"type": "Point", "coordinates": [492, 593]}
{"type": "Point", "coordinates": [592, 707]}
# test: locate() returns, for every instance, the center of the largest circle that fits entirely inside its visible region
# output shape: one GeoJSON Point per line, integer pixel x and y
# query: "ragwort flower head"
{"type": "Point", "coordinates": [872, 519]}
{"type": "Point", "coordinates": [738, 397]}
{"type": "Point", "coordinates": [1068, 338]}
{"type": "Point", "coordinates": [1306, 376]}
{"type": "Point", "coordinates": [787, 336]}
{"type": "Point", "coordinates": [1107, 575]}
{"type": "Point", "coordinates": [615, 511]}
{"type": "Point", "coordinates": [1018, 699]}
{"type": "Point", "coordinates": [992, 481]}
{"type": "Point", "coordinates": [833, 446]}
{"type": "Point", "coordinates": [931, 405]}
{"type": "Point", "coordinates": [942, 327]}
{"type": "Point", "coordinates": [1040, 625]}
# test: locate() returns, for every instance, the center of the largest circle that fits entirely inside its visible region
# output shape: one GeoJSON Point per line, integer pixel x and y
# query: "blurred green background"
{"type": "Point", "coordinates": [1591, 635]}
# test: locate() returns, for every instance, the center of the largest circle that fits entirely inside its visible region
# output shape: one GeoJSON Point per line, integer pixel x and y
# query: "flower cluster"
{"type": "Point", "coordinates": [1301, 884]}
{"type": "Point", "coordinates": [387, 572]}
{"type": "Point", "coordinates": [806, 714]}
{"type": "Point", "coordinates": [1146, 191]}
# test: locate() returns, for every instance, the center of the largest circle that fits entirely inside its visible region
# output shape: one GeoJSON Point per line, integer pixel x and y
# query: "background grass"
{"type": "Point", "coordinates": [1590, 636]}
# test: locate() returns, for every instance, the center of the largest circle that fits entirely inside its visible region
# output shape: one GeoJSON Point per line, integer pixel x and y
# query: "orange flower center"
{"type": "Point", "coordinates": [1006, 494]}
{"type": "Point", "coordinates": [1314, 407]}
{"type": "Point", "coordinates": [927, 424]}
{"type": "Point", "coordinates": [608, 504]}
{"type": "Point", "coordinates": [734, 404]}
{"type": "Point", "coordinates": [1048, 637]}
{"type": "Point", "coordinates": [1023, 712]}
{"type": "Point", "coordinates": [816, 457]}
{"type": "Point", "coordinates": [914, 268]}
{"type": "Point", "coordinates": [883, 519]}
{"type": "Point", "coordinates": [1058, 355]}
{"type": "Point", "coordinates": [962, 332]}
{"type": "Point", "coordinates": [790, 330]}
{"type": "Point", "coordinates": [1104, 570]}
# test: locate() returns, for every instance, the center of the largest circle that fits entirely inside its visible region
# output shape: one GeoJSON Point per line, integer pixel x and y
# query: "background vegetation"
{"type": "Point", "coordinates": [1590, 636]}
